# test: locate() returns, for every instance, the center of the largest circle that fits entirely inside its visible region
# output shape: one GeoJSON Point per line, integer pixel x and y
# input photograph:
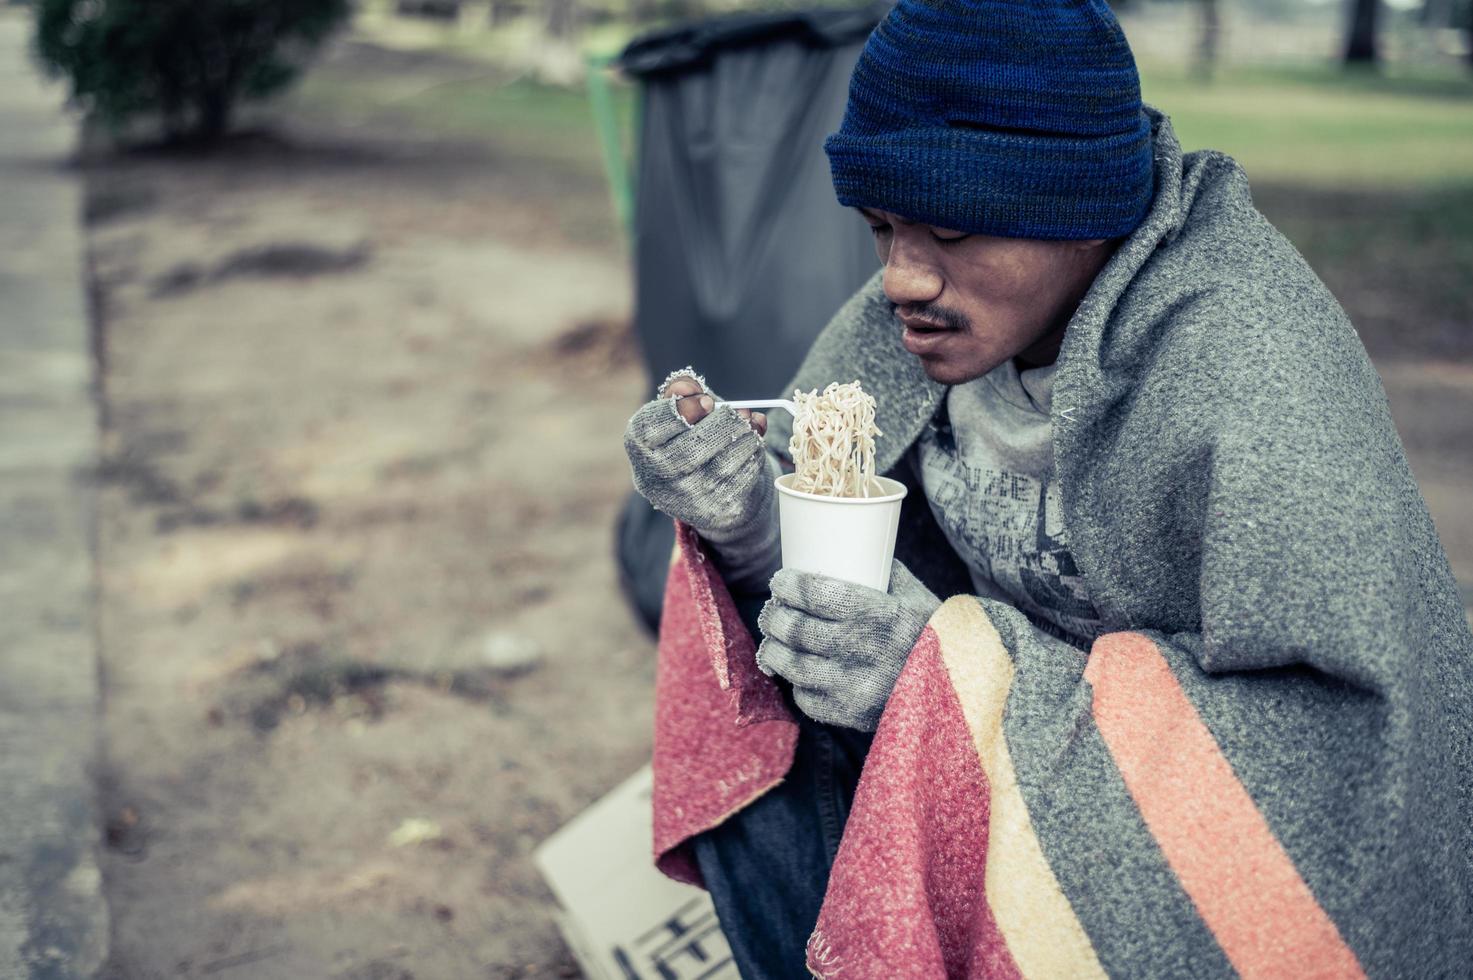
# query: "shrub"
{"type": "Point", "coordinates": [189, 62]}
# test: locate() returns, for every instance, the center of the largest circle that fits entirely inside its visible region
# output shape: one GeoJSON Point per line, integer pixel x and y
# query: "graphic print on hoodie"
{"type": "Point", "coordinates": [986, 463]}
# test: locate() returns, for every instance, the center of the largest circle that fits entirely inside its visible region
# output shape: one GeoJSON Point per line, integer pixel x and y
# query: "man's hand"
{"type": "Point", "coordinates": [842, 645]}
{"type": "Point", "coordinates": [709, 470]}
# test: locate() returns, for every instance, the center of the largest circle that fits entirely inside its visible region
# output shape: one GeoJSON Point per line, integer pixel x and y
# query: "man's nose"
{"type": "Point", "coordinates": [909, 278]}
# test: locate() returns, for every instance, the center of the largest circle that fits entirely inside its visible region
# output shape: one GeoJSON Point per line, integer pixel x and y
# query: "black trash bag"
{"type": "Point", "coordinates": [742, 253]}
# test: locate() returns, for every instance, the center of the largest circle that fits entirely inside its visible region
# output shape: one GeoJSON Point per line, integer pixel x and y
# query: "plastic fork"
{"type": "Point", "coordinates": [759, 403]}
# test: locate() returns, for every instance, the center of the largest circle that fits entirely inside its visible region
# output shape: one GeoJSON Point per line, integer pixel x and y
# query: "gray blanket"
{"type": "Point", "coordinates": [1235, 492]}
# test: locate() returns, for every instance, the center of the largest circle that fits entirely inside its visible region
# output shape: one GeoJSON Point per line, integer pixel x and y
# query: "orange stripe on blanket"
{"type": "Point", "coordinates": [1221, 849]}
{"type": "Point", "coordinates": [1032, 913]}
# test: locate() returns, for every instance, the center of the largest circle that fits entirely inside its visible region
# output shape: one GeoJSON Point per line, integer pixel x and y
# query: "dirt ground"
{"type": "Point", "coordinates": [363, 399]}
{"type": "Point", "coordinates": [363, 388]}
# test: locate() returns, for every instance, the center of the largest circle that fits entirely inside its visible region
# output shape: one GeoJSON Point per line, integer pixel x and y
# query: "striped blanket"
{"type": "Point", "coordinates": [1024, 812]}
{"type": "Point", "coordinates": [967, 847]}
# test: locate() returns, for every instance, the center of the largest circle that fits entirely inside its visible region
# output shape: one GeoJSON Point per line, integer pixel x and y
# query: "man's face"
{"type": "Point", "coordinates": [967, 303]}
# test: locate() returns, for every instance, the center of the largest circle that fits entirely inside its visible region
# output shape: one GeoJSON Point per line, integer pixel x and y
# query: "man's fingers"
{"type": "Point", "coordinates": [692, 401]}
{"type": "Point", "coordinates": [681, 386]}
{"type": "Point", "coordinates": [824, 708]}
{"type": "Point", "coordinates": [756, 420]}
{"type": "Point", "coordinates": [650, 428]}
{"type": "Point", "coordinates": [720, 440]}
{"type": "Point", "coordinates": [825, 597]}
{"type": "Point", "coordinates": [695, 403]}
{"type": "Point", "coordinates": [773, 657]}
{"type": "Point", "coordinates": [695, 406]}
{"type": "Point", "coordinates": [800, 631]}
{"type": "Point", "coordinates": [658, 423]}
{"type": "Point", "coordinates": [799, 668]}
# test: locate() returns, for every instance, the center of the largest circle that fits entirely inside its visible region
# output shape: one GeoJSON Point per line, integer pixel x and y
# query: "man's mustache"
{"type": "Point", "coordinates": [933, 313]}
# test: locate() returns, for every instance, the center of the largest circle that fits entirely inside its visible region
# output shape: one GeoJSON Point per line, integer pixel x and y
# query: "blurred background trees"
{"type": "Point", "coordinates": [186, 62]}
{"type": "Point", "coordinates": [189, 63]}
{"type": "Point", "coordinates": [1354, 30]}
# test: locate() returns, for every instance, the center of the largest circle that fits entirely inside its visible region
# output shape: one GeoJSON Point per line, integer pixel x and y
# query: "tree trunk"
{"type": "Point", "coordinates": [562, 19]}
{"type": "Point", "coordinates": [172, 115]}
{"type": "Point", "coordinates": [500, 13]}
{"type": "Point", "coordinates": [216, 109]}
{"type": "Point", "coordinates": [1360, 44]}
{"type": "Point", "coordinates": [1207, 43]}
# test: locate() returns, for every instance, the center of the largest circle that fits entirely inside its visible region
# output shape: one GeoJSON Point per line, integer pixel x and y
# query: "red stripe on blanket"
{"type": "Point", "coordinates": [723, 735]}
{"type": "Point", "coordinates": [906, 895]}
{"type": "Point", "coordinates": [1229, 862]}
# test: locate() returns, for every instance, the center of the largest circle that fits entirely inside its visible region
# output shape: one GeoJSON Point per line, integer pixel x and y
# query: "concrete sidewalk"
{"type": "Point", "coordinates": [53, 918]}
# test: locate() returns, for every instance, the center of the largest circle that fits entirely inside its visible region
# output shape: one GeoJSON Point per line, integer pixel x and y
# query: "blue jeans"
{"type": "Point", "coordinates": [767, 866]}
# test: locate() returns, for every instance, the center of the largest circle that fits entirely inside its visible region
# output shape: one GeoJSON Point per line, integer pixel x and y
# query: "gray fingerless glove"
{"type": "Point", "coordinates": [842, 645]}
{"type": "Point", "coordinates": [715, 476]}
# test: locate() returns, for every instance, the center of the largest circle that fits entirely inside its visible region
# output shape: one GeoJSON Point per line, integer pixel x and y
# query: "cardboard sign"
{"type": "Point", "coordinates": [622, 918]}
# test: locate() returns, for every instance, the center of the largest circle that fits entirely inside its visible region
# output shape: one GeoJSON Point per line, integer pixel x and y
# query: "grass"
{"type": "Point", "coordinates": [1323, 127]}
{"type": "Point", "coordinates": [1398, 261]}
{"type": "Point", "coordinates": [520, 117]}
{"type": "Point", "coordinates": [1371, 178]}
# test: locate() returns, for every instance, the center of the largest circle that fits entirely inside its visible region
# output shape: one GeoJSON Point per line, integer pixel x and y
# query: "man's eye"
{"type": "Point", "coordinates": [879, 229]}
{"type": "Point", "coordinates": [950, 239]}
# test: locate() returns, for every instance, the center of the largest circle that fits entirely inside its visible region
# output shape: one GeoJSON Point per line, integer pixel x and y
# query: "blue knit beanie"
{"type": "Point", "coordinates": [1016, 118]}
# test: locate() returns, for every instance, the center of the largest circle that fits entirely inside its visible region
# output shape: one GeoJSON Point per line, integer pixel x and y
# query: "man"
{"type": "Point", "coordinates": [1198, 700]}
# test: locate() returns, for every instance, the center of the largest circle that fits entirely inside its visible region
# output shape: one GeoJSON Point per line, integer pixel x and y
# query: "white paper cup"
{"type": "Point", "coordinates": [849, 538]}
